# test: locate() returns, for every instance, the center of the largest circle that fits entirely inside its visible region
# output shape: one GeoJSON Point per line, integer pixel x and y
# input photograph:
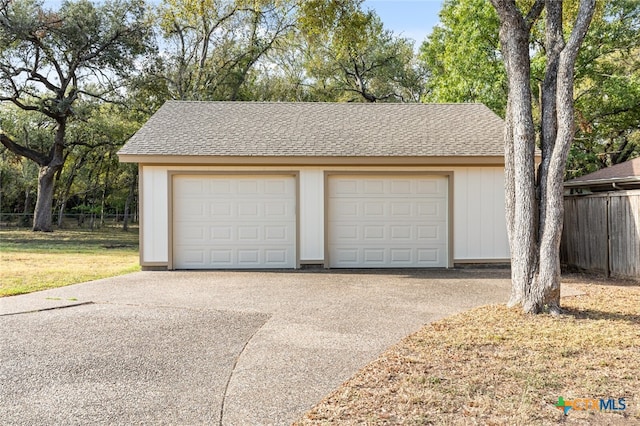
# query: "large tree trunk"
{"type": "Point", "coordinates": [519, 156]}
{"type": "Point", "coordinates": [50, 163]}
{"type": "Point", "coordinates": [549, 272]}
{"type": "Point", "coordinates": [517, 291]}
{"type": "Point", "coordinates": [42, 215]}
{"type": "Point", "coordinates": [545, 294]}
{"type": "Point", "coordinates": [535, 228]}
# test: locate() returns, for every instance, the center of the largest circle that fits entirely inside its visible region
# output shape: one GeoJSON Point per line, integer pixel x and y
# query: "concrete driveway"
{"type": "Point", "coordinates": [231, 348]}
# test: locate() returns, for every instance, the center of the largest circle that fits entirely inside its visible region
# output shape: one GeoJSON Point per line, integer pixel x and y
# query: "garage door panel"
{"type": "Point", "coordinates": [401, 232]}
{"type": "Point", "coordinates": [345, 256]}
{"type": "Point", "coordinates": [275, 257]}
{"type": "Point", "coordinates": [195, 234]}
{"type": "Point", "coordinates": [221, 233]}
{"type": "Point", "coordinates": [374, 209]}
{"type": "Point", "coordinates": [388, 222]}
{"type": "Point", "coordinates": [220, 210]}
{"type": "Point", "coordinates": [275, 209]}
{"type": "Point", "coordinates": [346, 187]}
{"type": "Point", "coordinates": [221, 186]}
{"type": "Point", "coordinates": [399, 186]}
{"type": "Point", "coordinates": [190, 187]}
{"type": "Point", "coordinates": [276, 233]}
{"type": "Point", "coordinates": [373, 256]}
{"type": "Point", "coordinates": [345, 232]}
{"type": "Point", "coordinates": [222, 257]}
{"type": "Point", "coordinates": [373, 187]}
{"type": "Point", "coordinates": [402, 255]}
{"type": "Point", "coordinates": [246, 222]}
{"type": "Point", "coordinates": [275, 187]}
{"type": "Point", "coordinates": [367, 233]}
{"type": "Point", "coordinates": [193, 258]}
{"type": "Point", "coordinates": [247, 187]}
{"type": "Point", "coordinates": [432, 210]}
{"type": "Point", "coordinates": [249, 257]}
{"type": "Point", "coordinates": [385, 257]}
{"type": "Point", "coordinates": [248, 233]}
{"type": "Point", "coordinates": [432, 233]}
{"type": "Point", "coordinates": [429, 255]}
{"type": "Point", "coordinates": [194, 209]}
{"type": "Point", "coordinates": [373, 232]}
{"type": "Point", "coordinates": [345, 210]}
{"type": "Point", "coordinates": [431, 187]}
{"type": "Point", "coordinates": [395, 188]}
{"type": "Point", "coordinates": [401, 209]}
{"type": "Point", "coordinates": [248, 210]}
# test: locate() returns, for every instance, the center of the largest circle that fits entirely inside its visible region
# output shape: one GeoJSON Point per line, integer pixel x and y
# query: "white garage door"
{"type": "Point", "coordinates": [222, 222]}
{"type": "Point", "coordinates": [388, 222]}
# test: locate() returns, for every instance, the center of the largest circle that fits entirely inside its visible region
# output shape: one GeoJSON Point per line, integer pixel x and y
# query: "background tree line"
{"type": "Point", "coordinates": [77, 81]}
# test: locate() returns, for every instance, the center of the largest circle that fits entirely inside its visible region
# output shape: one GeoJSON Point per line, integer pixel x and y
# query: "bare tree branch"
{"type": "Point", "coordinates": [24, 151]}
{"type": "Point", "coordinates": [534, 13]}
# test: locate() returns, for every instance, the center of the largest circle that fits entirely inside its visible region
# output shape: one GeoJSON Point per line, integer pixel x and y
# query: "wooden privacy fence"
{"type": "Point", "coordinates": [602, 233]}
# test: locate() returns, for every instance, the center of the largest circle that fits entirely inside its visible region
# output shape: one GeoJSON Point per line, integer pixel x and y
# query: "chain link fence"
{"type": "Point", "coordinates": [71, 220]}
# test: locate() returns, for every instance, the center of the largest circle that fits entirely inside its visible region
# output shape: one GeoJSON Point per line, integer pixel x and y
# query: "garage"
{"type": "Point", "coordinates": [388, 221]}
{"type": "Point", "coordinates": [233, 185]}
{"type": "Point", "coordinates": [222, 221]}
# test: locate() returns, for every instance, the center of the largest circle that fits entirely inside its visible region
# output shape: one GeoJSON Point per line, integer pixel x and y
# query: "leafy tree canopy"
{"type": "Point", "coordinates": [50, 60]}
{"type": "Point", "coordinates": [462, 56]}
{"type": "Point", "coordinates": [464, 64]}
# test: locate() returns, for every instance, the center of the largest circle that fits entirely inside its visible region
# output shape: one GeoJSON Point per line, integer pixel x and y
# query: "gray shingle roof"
{"type": "Point", "coordinates": [318, 130]}
{"type": "Point", "coordinates": [628, 171]}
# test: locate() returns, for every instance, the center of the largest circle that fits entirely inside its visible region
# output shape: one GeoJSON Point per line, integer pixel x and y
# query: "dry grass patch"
{"type": "Point", "coordinates": [498, 366]}
{"type": "Point", "coordinates": [32, 261]}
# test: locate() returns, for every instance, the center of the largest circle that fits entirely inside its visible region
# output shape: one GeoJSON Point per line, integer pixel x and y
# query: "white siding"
{"type": "Point", "coordinates": [312, 215]}
{"type": "Point", "coordinates": [154, 215]}
{"type": "Point", "coordinates": [479, 230]}
{"type": "Point", "coordinates": [479, 220]}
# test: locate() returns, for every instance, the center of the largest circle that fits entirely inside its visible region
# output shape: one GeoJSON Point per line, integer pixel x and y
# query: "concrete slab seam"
{"type": "Point", "coordinates": [233, 368]}
{"type": "Point", "coordinates": [73, 305]}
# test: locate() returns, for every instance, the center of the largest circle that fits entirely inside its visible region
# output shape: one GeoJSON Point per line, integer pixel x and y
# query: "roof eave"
{"type": "Point", "coordinates": [602, 182]}
{"type": "Point", "coordinates": [212, 160]}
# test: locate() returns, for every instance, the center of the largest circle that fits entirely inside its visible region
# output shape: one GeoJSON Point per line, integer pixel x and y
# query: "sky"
{"type": "Point", "coordinates": [413, 19]}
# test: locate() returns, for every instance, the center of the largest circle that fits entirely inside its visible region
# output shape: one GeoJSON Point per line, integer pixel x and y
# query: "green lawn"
{"type": "Point", "coordinates": [32, 261]}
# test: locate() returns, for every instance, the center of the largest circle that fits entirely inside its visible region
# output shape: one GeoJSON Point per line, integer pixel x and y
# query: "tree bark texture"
{"type": "Point", "coordinates": [546, 292]}
{"type": "Point", "coordinates": [534, 208]}
{"type": "Point", "coordinates": [43, 213]}
{"type": "Point", "coordinates": [50, 163]}
{"type": "Point", "coordinates": [519, 152]}
{"type": "Point", "coordinates": [510, 195]}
